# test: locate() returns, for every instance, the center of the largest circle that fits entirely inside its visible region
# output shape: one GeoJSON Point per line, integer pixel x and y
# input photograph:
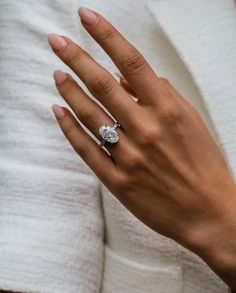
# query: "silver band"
{"type": "Point", "coordinates": [116, 125]}
{"type": "Point", "coordinates": [109, 134]}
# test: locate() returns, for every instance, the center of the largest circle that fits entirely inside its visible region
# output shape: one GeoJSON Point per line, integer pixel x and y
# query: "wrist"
{"type": "Point", "coordinates": [216, 241]}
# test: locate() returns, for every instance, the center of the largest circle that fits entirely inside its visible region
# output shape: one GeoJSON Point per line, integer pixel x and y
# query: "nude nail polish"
{"type": "Point", "coordinates": [59, 77]}
{"type": "Point", "coordinates": [58, 111]}
{"type": "Point", "coordinates": [56, 42]}
{"type": "Point", "coordinates": [87, 16]}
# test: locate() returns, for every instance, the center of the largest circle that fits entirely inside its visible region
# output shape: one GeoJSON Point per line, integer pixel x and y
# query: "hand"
{"type": "Point", "coordinates": [166, 168]}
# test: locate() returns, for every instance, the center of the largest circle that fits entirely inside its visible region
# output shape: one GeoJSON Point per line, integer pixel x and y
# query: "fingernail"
{"type": "Point", "coordinates": [59, 77]}
{"type": "Point", "coordinates": [57, 42]}
{"type": "Point", "coordinates": [87, 16]}
{"type": "Point", "coordinates": [58, 111]}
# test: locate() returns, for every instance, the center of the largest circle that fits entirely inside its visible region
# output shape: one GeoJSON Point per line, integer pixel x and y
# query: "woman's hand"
{"type": "Point", "coordinates": [166, 168]}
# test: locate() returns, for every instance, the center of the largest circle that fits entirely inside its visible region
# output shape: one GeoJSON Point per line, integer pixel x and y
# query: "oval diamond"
{"type": "Point", "coordinates": [109, 134]}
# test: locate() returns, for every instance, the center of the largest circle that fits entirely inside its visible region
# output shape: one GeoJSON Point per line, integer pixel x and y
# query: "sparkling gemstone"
{"type": "Point", "coordinates": [109, 134]}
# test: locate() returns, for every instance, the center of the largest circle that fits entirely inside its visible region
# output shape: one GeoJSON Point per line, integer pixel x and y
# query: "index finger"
{"type": "Point", "coordinates": [127, 58]}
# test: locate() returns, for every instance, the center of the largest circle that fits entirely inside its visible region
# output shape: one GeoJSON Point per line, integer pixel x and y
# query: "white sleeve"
{"type": "Point", "coordinates": [51, 221]}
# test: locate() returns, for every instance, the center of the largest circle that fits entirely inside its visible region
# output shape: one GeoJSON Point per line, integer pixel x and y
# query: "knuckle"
{"type": "Point", "coordinates": [89, 117]}
{"type": "Point", "coordinates": [107, 34]}
{"type": "Point", "coordinates": [150, 135]}
{"type": "Point", "coordinates": [72, 57]}
{"type": "Point", "coordinates": [172, 114]}
{"type": "Point", "coordinates": [164, 80]}
{"type": "Point", "coordinates": [133, 61]}
{"type": "Point", "coordinates": [123, 184]}
{"type": "Point", "coordinates": [135, 162]}
{"type": "Point", "coordinates": [101, 85]}
{"type": "Point", "coordinates": [83, 150]}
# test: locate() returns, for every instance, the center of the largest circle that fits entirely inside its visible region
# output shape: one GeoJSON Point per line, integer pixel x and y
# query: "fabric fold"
{"type": "Point", "coordinates": [204, 35]}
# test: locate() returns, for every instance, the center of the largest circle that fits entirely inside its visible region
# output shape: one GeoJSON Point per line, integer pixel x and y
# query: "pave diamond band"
{"type": "Point", "coordinates": [109, 134]}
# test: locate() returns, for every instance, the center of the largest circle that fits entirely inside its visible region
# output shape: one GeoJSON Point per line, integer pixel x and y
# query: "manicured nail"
{"type": "Point", "coordinates": [57, 42]}
{"type": "Point", "coordinates": [87, 16]}
{"type": "Point", "coordinates": [59, 77]}
{"type": "Point", "coordinates": [58, 111]}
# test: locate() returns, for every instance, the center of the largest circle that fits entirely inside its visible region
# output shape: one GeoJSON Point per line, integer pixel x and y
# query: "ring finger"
{"type": "Point", "coordinates": [88, 111]}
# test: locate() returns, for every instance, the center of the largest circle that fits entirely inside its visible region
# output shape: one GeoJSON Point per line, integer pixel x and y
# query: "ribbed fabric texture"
{"type": "Point", "coordinates": [51, 224]}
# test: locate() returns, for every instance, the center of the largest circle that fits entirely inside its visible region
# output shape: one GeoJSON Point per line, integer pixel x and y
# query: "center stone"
{"type": "Point", "coordinates": [109, 134]}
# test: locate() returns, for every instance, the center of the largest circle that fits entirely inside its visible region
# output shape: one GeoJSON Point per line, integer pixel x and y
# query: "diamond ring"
{"type": "Point", "coordinates": [109, 134]}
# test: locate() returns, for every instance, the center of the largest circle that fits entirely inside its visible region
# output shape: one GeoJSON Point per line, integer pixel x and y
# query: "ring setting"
{"type": "Point", "coordinates": [109, 134]}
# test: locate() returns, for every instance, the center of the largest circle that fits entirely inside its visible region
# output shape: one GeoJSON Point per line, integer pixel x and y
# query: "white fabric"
{"type": "Point", "coordinates": [51, 219]}
{"type": "Point", "coordinates": [51, 225]}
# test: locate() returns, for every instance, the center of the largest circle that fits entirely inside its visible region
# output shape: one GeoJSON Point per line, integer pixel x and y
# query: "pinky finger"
{"type": "Point", "coordinates": [85, 146]}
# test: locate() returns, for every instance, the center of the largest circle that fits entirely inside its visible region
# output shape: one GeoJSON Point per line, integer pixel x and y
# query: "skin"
{"type": "Point", "coordinates": [166, 168]}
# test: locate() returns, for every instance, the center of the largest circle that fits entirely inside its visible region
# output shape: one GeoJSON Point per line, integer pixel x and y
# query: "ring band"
{"type": "Point", "coordinates": [109, 134]}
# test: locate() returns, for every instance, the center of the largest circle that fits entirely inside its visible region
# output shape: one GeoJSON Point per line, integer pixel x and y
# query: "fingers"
{"type": "Point", "coordinates": [99, 82]}
{"type": "Point", "coordinates": [128, 59]}
{"type": "Point", "coordinates": [124, 83]}
{"type": "Point", "coordinates": [93, 155]}
{"type": "Point", "coordinates": [87, 110]}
